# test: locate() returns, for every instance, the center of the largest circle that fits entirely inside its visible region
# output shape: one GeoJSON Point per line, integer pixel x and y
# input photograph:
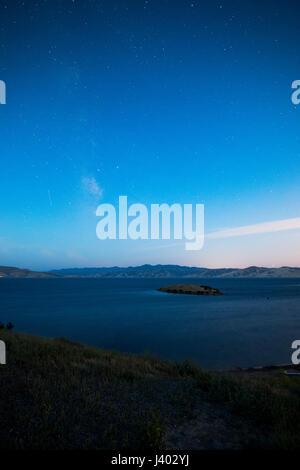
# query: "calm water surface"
{"type": "Point", "coordinates": [253, 324]}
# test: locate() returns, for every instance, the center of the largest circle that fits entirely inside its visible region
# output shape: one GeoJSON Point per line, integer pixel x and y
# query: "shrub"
{"type": "Point", "coordinates": [153, 435]}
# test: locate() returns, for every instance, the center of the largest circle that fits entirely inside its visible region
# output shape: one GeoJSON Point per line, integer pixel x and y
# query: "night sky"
{"type": "Point", "coordinates": [160, 100]}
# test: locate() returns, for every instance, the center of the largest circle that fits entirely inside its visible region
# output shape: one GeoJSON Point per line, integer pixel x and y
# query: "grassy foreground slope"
{"type": "Point", "coordinates": [56, 394]}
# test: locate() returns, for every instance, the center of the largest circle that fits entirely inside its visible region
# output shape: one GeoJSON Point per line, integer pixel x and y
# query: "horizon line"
{"type": "Point", "coordinates": [165, 265]}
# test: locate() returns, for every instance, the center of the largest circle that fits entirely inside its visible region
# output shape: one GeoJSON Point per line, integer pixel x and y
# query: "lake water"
{"type": "Point", "coordinates": [253, 324]}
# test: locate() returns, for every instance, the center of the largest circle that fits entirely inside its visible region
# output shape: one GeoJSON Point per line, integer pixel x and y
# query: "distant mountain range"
{"type": "Point", "coordinates": [175, 271]}
{"type": "Point", "coordinates": [6, 271]}
{"type": "Point", "coordinates": [158, 271]}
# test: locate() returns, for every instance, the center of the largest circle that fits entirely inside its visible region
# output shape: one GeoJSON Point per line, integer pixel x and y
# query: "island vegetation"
{"type": "Point", "coordinates": [193, 289]}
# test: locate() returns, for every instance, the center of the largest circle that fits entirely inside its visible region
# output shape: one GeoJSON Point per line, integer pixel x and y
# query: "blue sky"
{"type": "Point", "coordinates": [162, 101]}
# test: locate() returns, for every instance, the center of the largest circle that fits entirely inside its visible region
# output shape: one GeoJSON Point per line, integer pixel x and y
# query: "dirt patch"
{"type": "Point", "coordinates": [213, 427]}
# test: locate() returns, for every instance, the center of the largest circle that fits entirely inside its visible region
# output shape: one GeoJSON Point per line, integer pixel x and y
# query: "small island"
{"type": "Point", "coordinates": [193, 289]}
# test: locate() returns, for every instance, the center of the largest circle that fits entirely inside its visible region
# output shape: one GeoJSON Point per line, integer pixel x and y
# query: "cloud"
{"type": "Point", "coordinates": [92, 187]}
{"type": "Point", "coordinates": [265, 227]}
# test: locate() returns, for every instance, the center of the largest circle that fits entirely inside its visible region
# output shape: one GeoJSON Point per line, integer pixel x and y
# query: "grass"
{"type": "Point", "coordinates": [57, 394]}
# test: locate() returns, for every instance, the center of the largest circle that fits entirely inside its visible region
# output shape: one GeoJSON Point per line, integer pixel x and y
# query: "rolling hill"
{"type": "Point", "coordinates": [176, 271]}
{"type": "Point", "coordinates": [7, 271]}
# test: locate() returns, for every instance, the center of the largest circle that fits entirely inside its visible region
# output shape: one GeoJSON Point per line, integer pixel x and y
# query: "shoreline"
{"type": "Point", "coordinates": [236, 369]}
{"type": "Point", "coordinates": [262, 368]}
